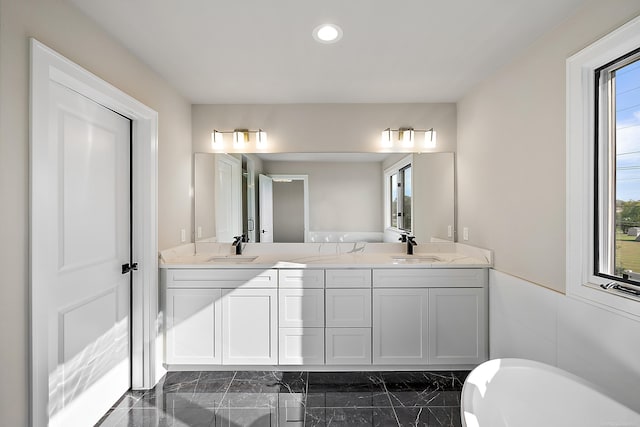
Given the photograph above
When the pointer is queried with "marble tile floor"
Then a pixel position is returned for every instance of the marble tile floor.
(293, 399)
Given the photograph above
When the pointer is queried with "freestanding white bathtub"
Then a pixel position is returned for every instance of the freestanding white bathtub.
(524, 393)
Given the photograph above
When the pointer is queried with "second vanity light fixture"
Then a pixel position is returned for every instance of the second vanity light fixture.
(241, 137)
(406, 137)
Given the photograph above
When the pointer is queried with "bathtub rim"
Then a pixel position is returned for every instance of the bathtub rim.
(466, 396)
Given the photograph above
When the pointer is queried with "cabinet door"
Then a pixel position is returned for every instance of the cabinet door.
(249, 327)
(194, 330)
(457, 326)
(400, 326)
(301, 308)
(301, 346)
(348, 308)
(348, 346)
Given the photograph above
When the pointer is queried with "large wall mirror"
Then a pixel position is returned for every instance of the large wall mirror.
(324, 197)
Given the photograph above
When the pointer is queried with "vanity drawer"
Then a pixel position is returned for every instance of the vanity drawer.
(222, 278)
(301, 307)
(348, 278)
(348, 346)
(301, 278)
(430, 278)
(348, 308)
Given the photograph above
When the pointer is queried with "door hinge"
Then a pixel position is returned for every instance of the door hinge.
(127, 268)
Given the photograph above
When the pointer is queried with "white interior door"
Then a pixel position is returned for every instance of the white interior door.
(228, 196)
(88, 239)
(266, 209)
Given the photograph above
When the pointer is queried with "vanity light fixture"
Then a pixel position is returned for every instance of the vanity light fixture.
(406, 136)
(217, 140)
(261, 139)
(241, 137)
(430, 138)
(387, 142)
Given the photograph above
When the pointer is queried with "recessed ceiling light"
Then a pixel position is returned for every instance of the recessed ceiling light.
(327, 33)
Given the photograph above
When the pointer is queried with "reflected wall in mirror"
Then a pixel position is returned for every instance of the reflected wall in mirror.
(320, 197)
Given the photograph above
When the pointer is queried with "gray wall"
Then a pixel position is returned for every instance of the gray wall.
(343, 196)
(511, 150)
(288, 212)
(324, 127)
(63, 28)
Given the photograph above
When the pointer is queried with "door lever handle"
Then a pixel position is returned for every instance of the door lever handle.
(127, 268)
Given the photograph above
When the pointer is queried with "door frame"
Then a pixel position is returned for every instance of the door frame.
(146, 363)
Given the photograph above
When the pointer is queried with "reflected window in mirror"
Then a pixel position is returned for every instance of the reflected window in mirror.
(398, 195)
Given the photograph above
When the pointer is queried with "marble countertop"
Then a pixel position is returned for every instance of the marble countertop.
(327, 255)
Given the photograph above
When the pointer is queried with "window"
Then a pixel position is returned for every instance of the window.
(398, 195)
(603, 171)
(617, 198)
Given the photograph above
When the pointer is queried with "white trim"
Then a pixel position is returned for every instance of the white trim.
(305, 183)
(47, 65)
(580, 281)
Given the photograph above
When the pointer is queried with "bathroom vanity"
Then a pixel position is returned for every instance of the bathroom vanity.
(328, 307)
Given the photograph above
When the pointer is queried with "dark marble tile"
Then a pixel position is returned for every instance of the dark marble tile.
(207, 400)
(164, 400)
(429, 417)
(184, 382)
(246, 417)
(191, 416)
(293, 382)
(424, 398)
(214, 382)
(445, 381)
(340, 380)
(249, 400)
(146, 418)
(349, 399)
(262, 377)
(352, 417)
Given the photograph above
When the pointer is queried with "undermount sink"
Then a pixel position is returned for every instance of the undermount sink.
(232, 258)
(415, 259)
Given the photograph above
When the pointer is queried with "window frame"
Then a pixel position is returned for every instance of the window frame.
(581, 174)
(396, 169)
(605, 168)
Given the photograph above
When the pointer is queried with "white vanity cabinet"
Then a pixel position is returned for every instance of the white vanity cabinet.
(416, 317)
(429, 316)
(301, 316)
(348, 317)
(194, 326)
(457, 326)
(220, 316)
(249, 327)
(400, 326)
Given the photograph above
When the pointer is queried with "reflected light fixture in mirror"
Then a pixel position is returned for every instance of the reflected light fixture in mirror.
(406, 136)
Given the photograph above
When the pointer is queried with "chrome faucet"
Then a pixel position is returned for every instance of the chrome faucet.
(237, 242)
(410, 241)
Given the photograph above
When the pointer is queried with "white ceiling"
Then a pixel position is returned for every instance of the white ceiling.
(262, 51)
